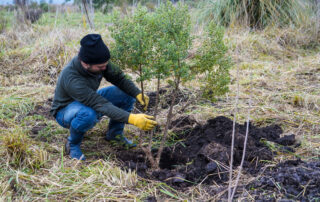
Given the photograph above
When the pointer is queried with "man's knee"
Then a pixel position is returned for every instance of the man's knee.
(85, 119)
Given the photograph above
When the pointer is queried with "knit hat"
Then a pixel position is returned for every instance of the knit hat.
(93, 50)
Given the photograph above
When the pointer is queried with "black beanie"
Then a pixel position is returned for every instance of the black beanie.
(93, 50)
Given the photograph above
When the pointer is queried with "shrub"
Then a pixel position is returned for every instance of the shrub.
(213, 62)
(44, 6)
(156, 45)
(33, 15)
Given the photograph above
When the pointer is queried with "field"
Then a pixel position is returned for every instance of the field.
(275, 75)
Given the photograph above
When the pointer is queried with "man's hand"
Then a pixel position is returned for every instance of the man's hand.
(146, 99)
(142, 121)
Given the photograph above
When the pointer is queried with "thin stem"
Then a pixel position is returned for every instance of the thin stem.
(233, 133)
(157, 98)
(154, 114)
(146, 150)
(141, 83)
(169, 117)
(244, 151)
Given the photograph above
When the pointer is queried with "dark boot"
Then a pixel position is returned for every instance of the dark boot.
(72, 146)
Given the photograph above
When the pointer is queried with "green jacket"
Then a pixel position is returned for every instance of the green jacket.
(76, 83)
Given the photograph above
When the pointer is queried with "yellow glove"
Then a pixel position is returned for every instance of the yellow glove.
(142, 121)
(146, 99)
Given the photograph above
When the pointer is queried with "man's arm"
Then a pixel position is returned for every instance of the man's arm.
(114, 75)
(79, 91)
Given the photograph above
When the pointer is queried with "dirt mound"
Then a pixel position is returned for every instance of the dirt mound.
(293, 179)
(204, 154)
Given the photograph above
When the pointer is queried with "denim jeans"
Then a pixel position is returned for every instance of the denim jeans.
(82, 118)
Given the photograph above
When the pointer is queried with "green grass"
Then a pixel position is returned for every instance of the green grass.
(13, 106)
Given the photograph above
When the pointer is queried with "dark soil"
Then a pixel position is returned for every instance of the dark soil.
(293, 179)
(203, 153)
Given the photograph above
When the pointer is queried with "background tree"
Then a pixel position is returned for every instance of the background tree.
(103, 5)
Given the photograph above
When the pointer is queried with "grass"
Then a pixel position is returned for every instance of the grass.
(284, 70)
(258, 13)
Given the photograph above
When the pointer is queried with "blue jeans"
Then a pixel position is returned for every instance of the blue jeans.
(82, 118)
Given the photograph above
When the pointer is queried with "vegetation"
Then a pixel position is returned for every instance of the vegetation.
(156, 45)
(258, 13)
(278, 70)
(3, 23)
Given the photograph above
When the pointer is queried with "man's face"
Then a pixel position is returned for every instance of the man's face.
(96, 69)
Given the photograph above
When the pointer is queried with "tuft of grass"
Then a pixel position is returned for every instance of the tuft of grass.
(21, 151)
(16, 146)
(257, 13)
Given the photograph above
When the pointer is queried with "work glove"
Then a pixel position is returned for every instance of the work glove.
(146, 99)
(142, 121)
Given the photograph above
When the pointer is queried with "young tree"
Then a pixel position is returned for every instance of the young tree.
(134, 50)
(174, 27)
(156, 45)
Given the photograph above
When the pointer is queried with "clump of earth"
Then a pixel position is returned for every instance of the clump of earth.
(293, 179)
(202, 153)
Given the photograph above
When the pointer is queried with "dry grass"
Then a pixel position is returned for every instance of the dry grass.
(284, 89)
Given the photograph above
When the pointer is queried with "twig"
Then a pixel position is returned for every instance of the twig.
(244, 151)
(233, 132)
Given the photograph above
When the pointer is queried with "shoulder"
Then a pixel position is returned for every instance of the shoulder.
(70, 68)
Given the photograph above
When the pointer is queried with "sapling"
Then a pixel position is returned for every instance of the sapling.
(174, 25)
(156, 45)
(134, 49)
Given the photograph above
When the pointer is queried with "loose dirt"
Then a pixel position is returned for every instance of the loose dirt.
(292, 179)
(202, 152)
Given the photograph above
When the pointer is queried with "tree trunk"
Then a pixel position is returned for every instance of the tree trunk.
(85, 6)
(169, 117)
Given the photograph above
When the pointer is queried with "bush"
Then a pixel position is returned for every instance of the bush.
(213, 62)
(33, 14)
(44, 6)
(156, 46)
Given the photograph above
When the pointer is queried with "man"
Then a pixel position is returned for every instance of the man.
(78, 104)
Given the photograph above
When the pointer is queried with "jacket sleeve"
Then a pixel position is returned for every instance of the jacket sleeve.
(114, 75)
(78, 90)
